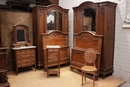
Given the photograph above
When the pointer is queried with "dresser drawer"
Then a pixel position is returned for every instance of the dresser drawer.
(24, 58)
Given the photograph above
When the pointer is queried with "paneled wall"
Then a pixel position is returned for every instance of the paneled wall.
(122, 36)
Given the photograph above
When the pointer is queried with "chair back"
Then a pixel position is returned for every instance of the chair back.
(90, 56)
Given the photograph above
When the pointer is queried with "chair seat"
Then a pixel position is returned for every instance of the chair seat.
(89, 68)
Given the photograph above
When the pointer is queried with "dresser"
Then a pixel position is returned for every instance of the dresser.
(24, 57)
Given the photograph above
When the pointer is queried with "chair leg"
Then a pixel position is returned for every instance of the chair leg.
(85, 76)
(82, 77)
(93, 80)
(47, 74)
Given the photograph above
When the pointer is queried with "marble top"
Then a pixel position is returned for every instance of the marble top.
(24, 47)
(52, 46)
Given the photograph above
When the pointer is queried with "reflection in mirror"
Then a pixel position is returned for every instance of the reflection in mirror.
(21, 35)
(54, 20)
(89, 19)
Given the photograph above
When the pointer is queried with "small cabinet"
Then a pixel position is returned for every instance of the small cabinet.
(53, 54)
(24, 57)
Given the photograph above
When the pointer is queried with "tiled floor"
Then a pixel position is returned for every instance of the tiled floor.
(67, 78)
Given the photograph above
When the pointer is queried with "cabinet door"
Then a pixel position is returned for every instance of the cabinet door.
(107, 29)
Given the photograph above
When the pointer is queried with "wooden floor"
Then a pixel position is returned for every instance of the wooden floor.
(38, 78)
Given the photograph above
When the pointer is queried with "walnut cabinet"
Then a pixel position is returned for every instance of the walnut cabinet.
(24, 57)
(99, 18)
(47, 20)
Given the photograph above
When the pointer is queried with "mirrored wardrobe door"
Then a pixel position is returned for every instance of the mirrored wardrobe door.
(54, 20)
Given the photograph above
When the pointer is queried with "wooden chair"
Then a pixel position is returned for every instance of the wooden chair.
(90, 56)
(53, 54)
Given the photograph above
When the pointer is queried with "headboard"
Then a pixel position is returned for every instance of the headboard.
(82, 41)
(54, 38)
(87, 39)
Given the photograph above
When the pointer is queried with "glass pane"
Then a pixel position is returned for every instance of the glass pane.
(54, 20)
(89, 15)
(21, 35)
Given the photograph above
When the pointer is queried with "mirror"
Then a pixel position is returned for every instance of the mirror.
(21, 34)
(54, 20)
(89, 15)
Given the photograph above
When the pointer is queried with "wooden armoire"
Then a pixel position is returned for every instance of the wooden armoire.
(50, 22)
(100, 18)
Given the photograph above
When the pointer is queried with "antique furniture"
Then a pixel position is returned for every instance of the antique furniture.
(24, 57)
(56, 38)
(83, 41)
(53, 54)
(3, 77)
(23, 51)
(98, 17)
(47, 19)
(20, 36)
(90, 56)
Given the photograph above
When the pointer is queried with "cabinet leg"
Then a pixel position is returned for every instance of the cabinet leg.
(17, 71)
(45, 69)
(71, 69)
(104, 76)
(35, 67)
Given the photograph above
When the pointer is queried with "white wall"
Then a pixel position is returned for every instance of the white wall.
(122, 36)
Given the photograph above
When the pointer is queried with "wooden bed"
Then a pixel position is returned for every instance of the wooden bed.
(82, 41)
(56, 38)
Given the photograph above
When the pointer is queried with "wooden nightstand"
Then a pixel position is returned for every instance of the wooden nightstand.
(53, 54)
